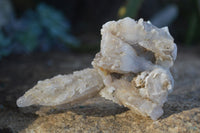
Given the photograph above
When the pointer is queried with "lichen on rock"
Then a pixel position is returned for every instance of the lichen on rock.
(132, 69)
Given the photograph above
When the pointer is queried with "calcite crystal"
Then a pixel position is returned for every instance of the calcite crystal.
(63, 89)
(132, 69)
(134, 62)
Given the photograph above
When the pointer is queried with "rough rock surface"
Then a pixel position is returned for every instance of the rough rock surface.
(181, 111)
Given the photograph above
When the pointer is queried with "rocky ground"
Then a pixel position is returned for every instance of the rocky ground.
(19, 73)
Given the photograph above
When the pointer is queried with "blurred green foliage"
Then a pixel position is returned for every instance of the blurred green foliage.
(4, 45)
(56, 25)
(193, 18)
(28, 37)
(130, 9)
(43, 29)
(46, 28)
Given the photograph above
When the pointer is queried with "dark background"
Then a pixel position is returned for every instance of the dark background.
(22, 30)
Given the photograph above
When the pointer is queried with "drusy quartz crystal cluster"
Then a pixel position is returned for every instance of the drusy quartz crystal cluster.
(132, 69)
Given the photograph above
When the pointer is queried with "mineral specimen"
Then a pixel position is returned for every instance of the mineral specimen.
(63, 89)
(132, 69)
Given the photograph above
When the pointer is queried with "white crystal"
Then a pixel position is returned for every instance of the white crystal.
(131, 69)
(134, 62)
(63, 89)
(130, 46)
